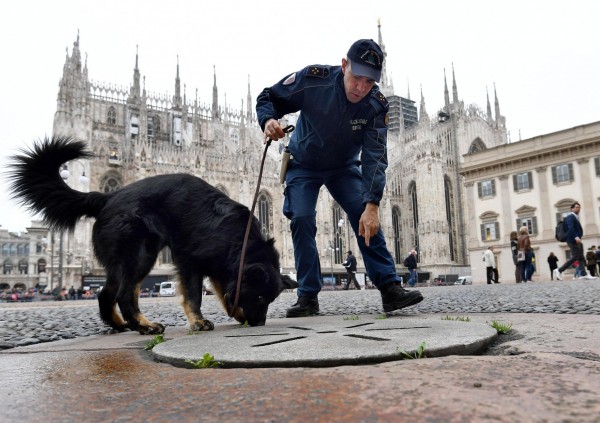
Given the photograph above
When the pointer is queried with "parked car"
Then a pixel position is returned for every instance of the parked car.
(464, 280)
(167, 289)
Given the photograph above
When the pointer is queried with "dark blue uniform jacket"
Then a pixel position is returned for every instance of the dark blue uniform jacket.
(331, 132)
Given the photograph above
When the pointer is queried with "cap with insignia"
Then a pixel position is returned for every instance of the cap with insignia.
(366, 59)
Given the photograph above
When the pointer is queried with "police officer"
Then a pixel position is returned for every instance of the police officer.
(340, 142)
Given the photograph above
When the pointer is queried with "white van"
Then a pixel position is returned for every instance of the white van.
(464, 280)
(167, 289)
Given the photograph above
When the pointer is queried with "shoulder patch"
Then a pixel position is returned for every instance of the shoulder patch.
(318, 71)
(290, 79)
(381, 98)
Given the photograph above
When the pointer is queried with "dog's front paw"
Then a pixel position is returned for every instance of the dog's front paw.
(201, 325)
(151, 329)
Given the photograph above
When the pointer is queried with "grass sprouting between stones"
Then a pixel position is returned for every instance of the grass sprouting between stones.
(419, 353)
(158, 339)
(502, 328)
(206, 362)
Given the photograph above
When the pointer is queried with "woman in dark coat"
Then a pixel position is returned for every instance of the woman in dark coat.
(514, 248)
(553, 263)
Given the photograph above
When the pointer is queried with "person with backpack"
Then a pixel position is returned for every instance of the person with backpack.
(574, 236)
(411, 264)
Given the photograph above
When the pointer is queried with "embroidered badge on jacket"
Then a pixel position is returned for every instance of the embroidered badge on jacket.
(290, 79)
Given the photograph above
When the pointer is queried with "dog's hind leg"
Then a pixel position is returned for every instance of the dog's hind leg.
(108, 305)
(191, 290)
(128, 300)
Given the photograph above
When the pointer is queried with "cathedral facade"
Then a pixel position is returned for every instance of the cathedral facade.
(136, 133)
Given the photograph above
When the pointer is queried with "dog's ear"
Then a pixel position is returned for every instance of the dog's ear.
(288, 283)
(255, 272)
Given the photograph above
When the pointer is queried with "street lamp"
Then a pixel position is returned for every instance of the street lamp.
(330, 248)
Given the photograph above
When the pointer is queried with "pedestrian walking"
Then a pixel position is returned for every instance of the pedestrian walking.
(574, 236)
(350, 265)
(514, 249)
(525, 247)
(553, 264)
(491, 271)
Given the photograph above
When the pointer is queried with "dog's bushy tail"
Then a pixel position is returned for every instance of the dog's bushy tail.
(35, 182)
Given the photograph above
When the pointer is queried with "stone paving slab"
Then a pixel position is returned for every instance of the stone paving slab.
(327, 341)
(548, 372)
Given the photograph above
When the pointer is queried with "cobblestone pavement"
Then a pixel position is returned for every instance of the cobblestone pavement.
(31, 323)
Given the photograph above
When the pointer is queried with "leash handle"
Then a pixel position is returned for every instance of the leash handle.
(286, 130)
(231, 310)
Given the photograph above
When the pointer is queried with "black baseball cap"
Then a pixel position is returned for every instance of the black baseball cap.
(366, 59)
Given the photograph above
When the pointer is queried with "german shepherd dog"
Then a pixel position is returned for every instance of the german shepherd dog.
(202, 226)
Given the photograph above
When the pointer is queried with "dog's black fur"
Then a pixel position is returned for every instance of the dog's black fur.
(202, 226)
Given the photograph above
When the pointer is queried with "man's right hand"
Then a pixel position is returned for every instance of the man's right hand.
(273, 131)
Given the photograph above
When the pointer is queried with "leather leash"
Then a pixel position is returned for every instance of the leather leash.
(231, 309)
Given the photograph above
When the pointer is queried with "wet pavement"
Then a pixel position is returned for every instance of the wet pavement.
(547, 369)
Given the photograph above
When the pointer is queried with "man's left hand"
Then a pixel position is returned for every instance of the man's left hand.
(368, 225)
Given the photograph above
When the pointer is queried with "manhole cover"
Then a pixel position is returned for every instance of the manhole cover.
(327, 341)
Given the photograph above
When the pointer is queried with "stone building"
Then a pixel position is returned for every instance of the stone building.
(532, 183)
(25, 257)
(136, 133)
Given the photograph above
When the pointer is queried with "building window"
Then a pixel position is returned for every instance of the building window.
(111, 184)
(530, 222)
(8, 266)
(264, 215)
(597, 165)
(134, 126)
(166, 256)
(41, 267)
(112, 116)
(562, 173)
(337, 233)
(486, 188)
(523, 181)
(397, 235)
(490, 231)
(23, 267)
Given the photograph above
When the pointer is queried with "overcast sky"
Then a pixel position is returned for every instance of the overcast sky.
(543, 57)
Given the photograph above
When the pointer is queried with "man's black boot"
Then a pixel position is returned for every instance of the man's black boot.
(395, 297)
(305, 306)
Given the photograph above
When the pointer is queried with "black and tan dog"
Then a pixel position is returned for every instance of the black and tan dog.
(202, 226)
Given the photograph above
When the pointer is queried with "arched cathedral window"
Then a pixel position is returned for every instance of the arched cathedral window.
(264, 215)
(396, 229)
(338, 238)
(449, 198)
(412, 191)
(111, 183)
(112, 116)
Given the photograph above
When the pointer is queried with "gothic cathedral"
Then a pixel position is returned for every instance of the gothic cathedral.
(135, 133)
